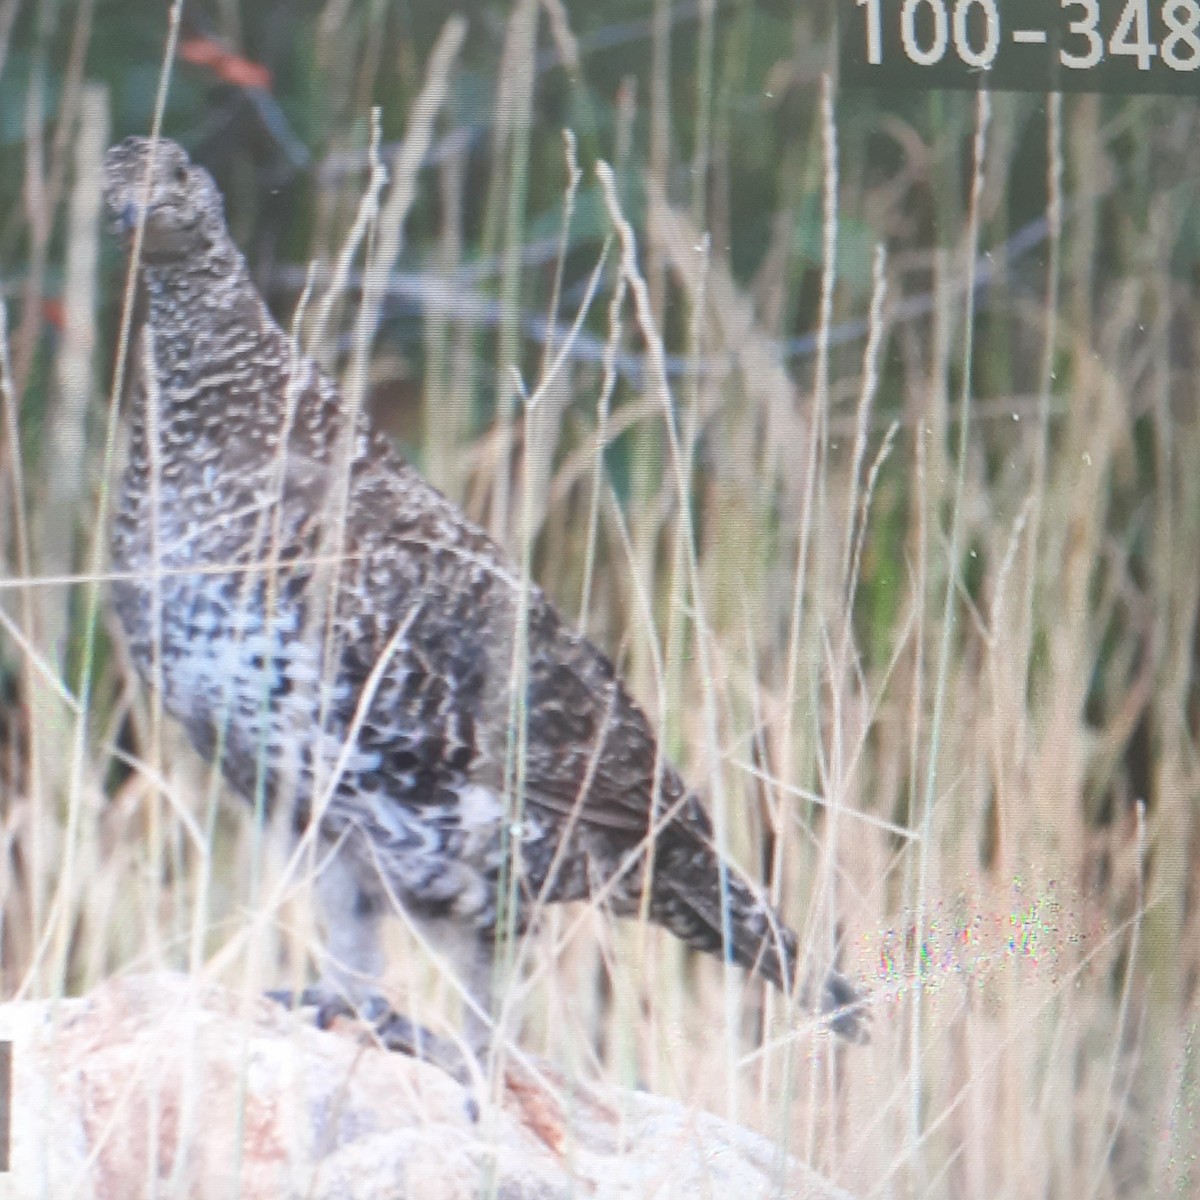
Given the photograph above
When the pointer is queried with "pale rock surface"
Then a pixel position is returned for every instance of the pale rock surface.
(157, 1085)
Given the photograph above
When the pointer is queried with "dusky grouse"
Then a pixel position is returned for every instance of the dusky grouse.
(375, 697)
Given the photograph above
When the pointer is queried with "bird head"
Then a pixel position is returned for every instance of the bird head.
(183, 210)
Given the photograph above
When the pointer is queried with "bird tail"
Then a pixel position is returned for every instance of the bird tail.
(716, 911)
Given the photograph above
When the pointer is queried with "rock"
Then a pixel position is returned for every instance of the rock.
(161, 1085)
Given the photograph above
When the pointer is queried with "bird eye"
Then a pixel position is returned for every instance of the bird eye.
(181, 174)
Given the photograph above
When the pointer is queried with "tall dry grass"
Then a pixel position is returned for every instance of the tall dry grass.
(916, 613)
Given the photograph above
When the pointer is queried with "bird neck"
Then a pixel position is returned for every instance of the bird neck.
(216, 266)
(213, 360)
(203, 311)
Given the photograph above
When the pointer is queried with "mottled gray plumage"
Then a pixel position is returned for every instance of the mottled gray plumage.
(375, 696)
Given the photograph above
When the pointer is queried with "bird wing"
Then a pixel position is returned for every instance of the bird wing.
(591, 748)
(590, 753)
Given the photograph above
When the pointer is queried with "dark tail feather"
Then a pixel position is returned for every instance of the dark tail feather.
(688, 900)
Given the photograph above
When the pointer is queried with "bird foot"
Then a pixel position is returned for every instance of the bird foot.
(538, 1095)
(390, 1029)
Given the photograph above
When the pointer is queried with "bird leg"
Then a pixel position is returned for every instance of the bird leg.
(354, 962)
